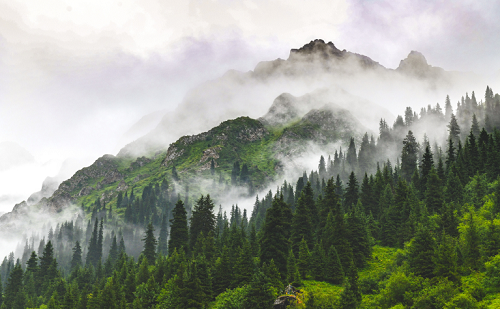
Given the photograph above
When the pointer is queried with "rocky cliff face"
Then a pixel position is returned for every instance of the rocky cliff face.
(316, 56)
(229, 135)
(102, 172)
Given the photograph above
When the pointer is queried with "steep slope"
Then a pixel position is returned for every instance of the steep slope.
(261, 145)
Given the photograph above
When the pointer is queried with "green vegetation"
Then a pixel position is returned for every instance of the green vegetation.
(423, 234)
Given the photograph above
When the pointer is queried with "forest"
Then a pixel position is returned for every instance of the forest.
(366, 229)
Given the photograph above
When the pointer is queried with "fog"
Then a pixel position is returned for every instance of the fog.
(78, 80)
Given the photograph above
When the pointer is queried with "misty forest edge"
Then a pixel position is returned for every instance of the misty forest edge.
(365, 230)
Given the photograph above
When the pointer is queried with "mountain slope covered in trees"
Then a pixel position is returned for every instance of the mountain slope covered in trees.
(363, 230)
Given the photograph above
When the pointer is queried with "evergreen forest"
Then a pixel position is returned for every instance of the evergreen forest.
(391, 221)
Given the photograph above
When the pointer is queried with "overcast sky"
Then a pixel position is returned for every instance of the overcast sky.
(75, 75)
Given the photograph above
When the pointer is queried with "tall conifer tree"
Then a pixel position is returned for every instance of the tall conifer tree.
(179, 234)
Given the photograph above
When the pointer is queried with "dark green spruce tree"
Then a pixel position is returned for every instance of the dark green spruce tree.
(202, 219)
(409, 156)
(352, 192)
(14, 293)
(162, 238)
(350, 296)
(150, 242)
(76, 260)
(421, 254)
(179, 234)
(333, 272)
(302, 227)
(274, 243)
(304, 259)
(434, 193)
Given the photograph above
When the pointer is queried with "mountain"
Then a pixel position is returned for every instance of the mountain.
(290, 126)
(319, 108)
(316, 65)
(416, 65)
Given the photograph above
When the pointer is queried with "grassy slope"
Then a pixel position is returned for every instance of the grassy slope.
(326, 294)
(258, 155)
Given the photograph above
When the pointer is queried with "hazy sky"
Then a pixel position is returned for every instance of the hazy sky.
(75, 75)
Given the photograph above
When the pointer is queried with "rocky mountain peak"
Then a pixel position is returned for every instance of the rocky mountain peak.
(415, 64)
(414, 59)
(317, 47)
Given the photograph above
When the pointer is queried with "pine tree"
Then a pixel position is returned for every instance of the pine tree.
(491, 241)
(358, 237)
(244, 174)
(243, 268)
(292, 272)
(388, 219)
(202, 219)
(350, 297)
(192, 293)
(275, 233)
(333, 272)
(113, 250)
(329, 203)
(337, 234)
(222, 278)
(433, 194)
(302, 227)
(14, 294)
(92, 250)
(46, 261)
(470, 251)
(454, 130)
(441, 171)
(351, 157)
(352, 192)
(259, 294)
(364, 156)
(149, 244)
(99, 245)
(421, 254)
(318, 262)
(304, 259)
(449, 220)
(450, 155)
(162, 238)
(409, 156)
(235, 173)
(366, 196)
(447, 108)
(178, 228)
(212, 166)
(76, 260)
(322, 167)
(454, 189)
(32, 263)
(475, 126)
(271, 272)
(427, 164)
(445, 258)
